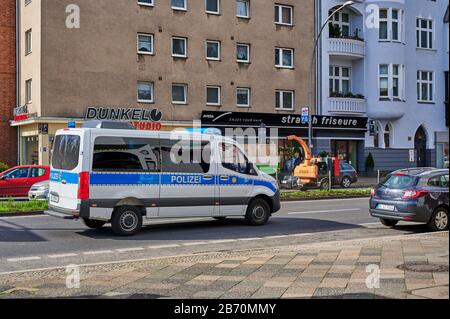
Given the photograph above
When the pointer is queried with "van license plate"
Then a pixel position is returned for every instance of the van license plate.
(386, 207)
(54, 198)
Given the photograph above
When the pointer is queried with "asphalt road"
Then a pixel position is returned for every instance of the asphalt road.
(28, 243)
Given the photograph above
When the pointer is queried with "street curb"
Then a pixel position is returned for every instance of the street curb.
(22, 214)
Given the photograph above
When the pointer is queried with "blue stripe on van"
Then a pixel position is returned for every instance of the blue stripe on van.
(59, 176)
(154, 179)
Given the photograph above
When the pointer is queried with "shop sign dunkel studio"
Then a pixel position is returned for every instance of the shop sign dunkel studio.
(212, 118)
(141, 119)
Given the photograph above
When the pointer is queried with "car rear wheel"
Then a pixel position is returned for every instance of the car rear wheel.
(94, 224)
(388, 222)
(325, 184)
(258, 212)
(346, 182)
(126, 220)
(439, 220)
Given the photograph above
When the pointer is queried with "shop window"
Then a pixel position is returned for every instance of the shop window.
(376, 137)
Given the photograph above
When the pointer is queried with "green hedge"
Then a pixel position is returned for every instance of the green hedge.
(323, 193)
(25, 206)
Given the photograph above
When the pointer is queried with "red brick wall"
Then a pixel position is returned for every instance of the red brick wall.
(8, 135)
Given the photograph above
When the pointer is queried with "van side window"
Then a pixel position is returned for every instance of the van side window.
(186, 156)
(123, 154)
(234, 160)
(37, 172)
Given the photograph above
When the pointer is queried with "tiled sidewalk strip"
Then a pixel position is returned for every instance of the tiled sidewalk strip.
(325, 270)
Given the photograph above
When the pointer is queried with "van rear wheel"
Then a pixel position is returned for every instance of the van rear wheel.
(258, 212)
(126, 220)
(94, 224)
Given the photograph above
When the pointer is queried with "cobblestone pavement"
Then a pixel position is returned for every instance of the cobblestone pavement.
(410, 266)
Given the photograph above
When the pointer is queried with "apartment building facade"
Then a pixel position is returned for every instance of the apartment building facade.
(8, 135)
(159, 64)
(388, 61)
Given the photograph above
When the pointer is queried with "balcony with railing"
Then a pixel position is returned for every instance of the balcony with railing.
(353, 48)
(347, 105)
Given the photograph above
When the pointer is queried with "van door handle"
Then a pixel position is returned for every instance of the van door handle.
(64, 182)
(208, 177)
(224, 177)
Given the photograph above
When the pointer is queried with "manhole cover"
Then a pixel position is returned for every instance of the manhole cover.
(423, 267)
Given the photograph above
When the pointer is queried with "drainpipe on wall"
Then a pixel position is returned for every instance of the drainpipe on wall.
(18, 72)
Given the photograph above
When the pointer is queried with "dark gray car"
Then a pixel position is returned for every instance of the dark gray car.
(417, 195)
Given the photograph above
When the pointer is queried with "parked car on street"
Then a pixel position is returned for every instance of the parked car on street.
(288, 181)
(39, 191)
(17, 181)
(416, 195)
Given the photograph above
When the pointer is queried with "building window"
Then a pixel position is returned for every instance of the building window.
(179, 47)
(391, 81)
(212, 6)
(212, 50)
(387, 136)
(284, 100)
(283, 14)
(179, 4)
(243, 97)
(145, 92)
(376, 136)
(28, 42)
(28, 91)
(179, 93)
(145, 43)
(342, 20)
(339, 80)
(213, 95)
(424, 29)
(284, 58)
(146, 3)
(243, 53)
(391, 25)
(425, 86)
(243, 8)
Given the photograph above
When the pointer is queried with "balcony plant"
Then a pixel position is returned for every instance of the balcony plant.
(336, 32)
(348, 95)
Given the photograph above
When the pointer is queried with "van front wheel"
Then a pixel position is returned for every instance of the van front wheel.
(126, 220)
(94, 224)
(258, 212)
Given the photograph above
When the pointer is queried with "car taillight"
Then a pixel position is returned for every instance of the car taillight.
(83, 186)
(372, 191)
(414, 193)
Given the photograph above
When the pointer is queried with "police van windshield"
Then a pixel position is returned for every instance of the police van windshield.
(66, 150)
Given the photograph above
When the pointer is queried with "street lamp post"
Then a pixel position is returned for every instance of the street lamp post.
(310, 98)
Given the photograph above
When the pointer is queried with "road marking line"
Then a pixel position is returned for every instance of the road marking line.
(63, 255)
(98, 252)
(325, 211)
(195, 243)
(164, 246)
(19, 259)
(125, 250)
(249, 239)
(221, 241)
(277, 236)
(324, 200)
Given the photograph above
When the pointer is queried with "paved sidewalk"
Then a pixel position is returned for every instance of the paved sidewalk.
(411, 266)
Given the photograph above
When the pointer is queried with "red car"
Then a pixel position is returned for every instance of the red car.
(17, 181)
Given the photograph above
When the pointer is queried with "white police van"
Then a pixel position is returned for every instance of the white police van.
(103, 174)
